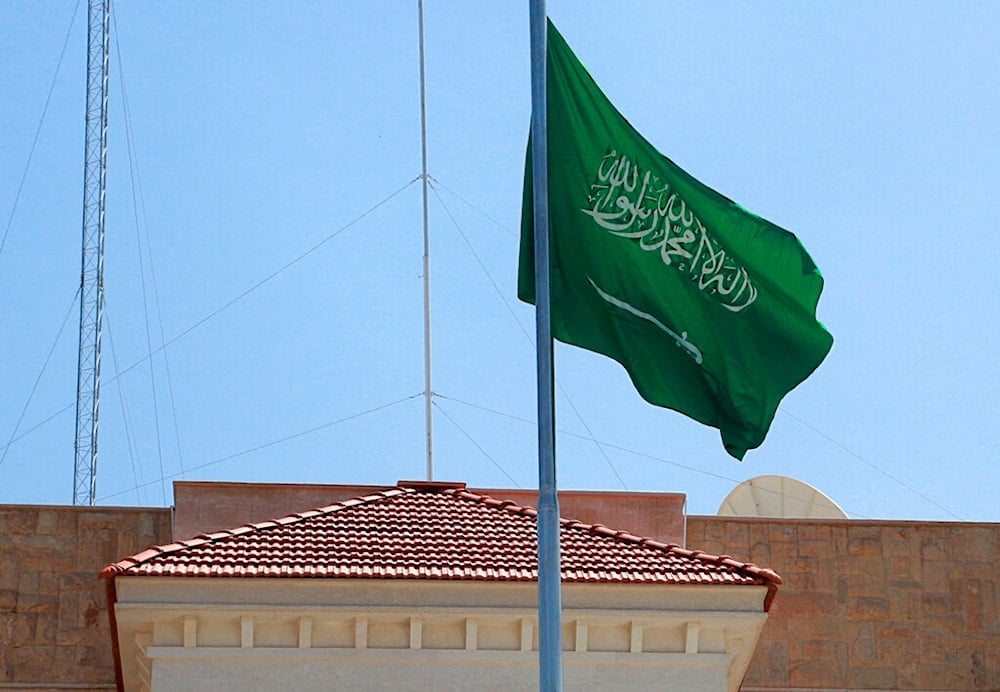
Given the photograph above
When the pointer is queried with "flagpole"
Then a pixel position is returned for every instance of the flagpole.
(549, 572)
(428, 392)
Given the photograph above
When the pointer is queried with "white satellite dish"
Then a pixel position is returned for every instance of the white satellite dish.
(779, 496)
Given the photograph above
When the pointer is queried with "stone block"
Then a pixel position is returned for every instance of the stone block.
(771, 668)
(934, 573)
(736, 536)
(840, 539)
(804, 605)
(935, 603)
(863, 644)
(18, 521)
(897, 644)
(757, 532)
(934, 648)
(783, 535)
(47, 522)
(69, 612)
(110, 520)
(65, 666)
(32, 662)
(875, 678)
(818, 532)
(820, 581)
(847, 586)
(44, 603)
(95, 549)
(902, 568)
(991, 661)
(967, 601)
(27, 583)
(46, 626)
(816, 548)
(78, 581)
(868, 608)
(8, 600)
(20, 629)
(801, 565)
(991, 607)
(904, 601)
(87, 655)
(90, 613)
(864, 540)
(861, 546)
(43, 554)
(974, 545)
(67, 523)
(815, 672)
(899, 541)
(872, 570)
(827, 630)
(48, 583)
(708, 533)
(68, 636)
(908, 675)
(937, 676)
(11, 572)
(760, 553)
(832, 655)
(935, 545)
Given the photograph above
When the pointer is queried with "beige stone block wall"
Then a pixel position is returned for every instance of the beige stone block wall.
(870, 604)
(54, 627)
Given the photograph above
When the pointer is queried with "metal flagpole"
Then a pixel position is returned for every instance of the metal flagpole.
(549, 572)
(428, 392)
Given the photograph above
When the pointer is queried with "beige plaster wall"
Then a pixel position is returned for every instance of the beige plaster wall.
(53, 618)
(870, 604)
(444, 673)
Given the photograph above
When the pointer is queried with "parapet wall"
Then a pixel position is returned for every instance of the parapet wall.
(54, 631)
(870, 604)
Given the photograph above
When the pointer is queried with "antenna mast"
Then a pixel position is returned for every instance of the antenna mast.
(88, 382)
(428, 392)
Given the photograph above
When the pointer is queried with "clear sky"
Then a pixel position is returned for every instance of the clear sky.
(261, 129)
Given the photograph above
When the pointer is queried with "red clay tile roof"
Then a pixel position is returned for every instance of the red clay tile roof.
(432, 531)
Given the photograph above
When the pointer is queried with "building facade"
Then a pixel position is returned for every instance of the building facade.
(865, 605)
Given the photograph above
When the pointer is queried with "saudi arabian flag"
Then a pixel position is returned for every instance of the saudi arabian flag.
(710, 309)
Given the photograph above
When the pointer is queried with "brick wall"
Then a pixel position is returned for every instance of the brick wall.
(871, 604)
(53, 616)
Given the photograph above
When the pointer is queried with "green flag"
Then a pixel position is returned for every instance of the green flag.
(710, 308)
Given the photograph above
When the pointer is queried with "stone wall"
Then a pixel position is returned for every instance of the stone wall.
(870, 604)
(54, 630)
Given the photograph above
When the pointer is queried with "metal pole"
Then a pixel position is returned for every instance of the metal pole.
(428, 391)
(549, 572)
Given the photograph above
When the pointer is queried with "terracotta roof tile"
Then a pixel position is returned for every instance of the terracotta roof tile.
(432, 531)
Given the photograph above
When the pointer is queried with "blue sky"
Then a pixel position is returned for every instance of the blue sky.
(260, 130)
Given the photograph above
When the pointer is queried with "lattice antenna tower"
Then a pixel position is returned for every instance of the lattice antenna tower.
(88, 382)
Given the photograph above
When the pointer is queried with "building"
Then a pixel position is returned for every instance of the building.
(427, 586)
(864, 604)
